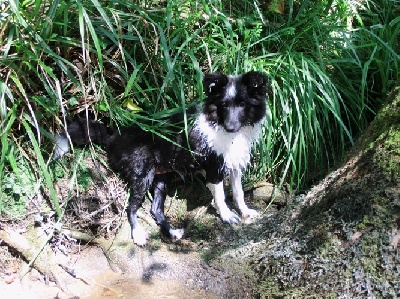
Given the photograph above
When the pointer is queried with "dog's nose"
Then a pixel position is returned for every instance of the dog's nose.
(231, 127)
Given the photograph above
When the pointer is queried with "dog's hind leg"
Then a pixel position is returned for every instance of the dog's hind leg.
(238, 194)
(138, 234)
(157, 207)
(135, 163)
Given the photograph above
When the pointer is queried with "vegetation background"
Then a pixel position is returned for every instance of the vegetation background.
(331, 62)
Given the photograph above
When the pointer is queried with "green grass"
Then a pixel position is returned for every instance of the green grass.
(330, 65)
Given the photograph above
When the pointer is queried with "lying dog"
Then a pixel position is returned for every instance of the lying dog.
(219, 141)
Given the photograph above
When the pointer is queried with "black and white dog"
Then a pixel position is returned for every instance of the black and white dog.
(219, 141)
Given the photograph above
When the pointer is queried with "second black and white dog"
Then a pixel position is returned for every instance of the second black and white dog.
(220, 140)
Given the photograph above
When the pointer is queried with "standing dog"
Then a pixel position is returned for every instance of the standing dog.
(219, 142)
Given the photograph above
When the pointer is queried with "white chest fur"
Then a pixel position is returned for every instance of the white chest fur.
(235, 147)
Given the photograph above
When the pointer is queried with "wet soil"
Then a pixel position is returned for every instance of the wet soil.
(96, 279)
(114, 267)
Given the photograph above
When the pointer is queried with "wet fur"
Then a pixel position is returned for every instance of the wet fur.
(220, 142)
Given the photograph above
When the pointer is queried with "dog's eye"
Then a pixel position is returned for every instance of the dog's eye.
(242, 104)
(211, 86)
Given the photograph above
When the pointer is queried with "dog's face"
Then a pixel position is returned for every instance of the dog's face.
(235, 101)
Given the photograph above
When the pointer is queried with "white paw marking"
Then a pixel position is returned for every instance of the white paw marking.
(176, 233)
(249, 213)
(139, 236)
(229, 216)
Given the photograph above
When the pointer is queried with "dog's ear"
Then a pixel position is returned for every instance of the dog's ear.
(214, 83)
(256, 83)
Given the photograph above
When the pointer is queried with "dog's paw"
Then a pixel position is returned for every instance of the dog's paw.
(139, 236)
(176, 233)
(230, 217)
(249, 213)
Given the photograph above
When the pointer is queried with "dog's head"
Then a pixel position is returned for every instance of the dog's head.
(235, 101)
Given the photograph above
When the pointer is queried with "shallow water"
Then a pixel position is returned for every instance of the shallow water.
(133, 288)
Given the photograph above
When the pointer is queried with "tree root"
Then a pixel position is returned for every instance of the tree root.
(101, 242)
(42, 259)
(53, 267)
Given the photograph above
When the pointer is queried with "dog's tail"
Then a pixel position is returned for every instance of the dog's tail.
(80, 132)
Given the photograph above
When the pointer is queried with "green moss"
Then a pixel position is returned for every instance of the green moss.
(57, 170)
(17, 187)
(202, 230)
(392, 142)
(388, 154)
(208, 254)
(271, 288)
(84, 178)
(381, 214)
(364, 223)
(385, 127)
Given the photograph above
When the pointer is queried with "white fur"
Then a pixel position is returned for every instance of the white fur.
(238, 195)
(231, 89)
(176, 233)
(62, 146)
(139, 235)
(217, 190)
(235, 147)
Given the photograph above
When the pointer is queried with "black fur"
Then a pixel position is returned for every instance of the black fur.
(144, 160)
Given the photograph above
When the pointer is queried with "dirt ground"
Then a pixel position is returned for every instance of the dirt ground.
(160, 275)
(116, 268)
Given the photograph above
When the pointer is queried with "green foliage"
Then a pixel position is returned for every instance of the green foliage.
(16, 186)
(330, 65)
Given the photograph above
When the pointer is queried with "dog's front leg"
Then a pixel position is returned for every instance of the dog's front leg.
(214, 177)
(238, 194)
(224, 212)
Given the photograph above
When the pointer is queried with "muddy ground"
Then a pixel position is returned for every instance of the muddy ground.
(340, 239)
(113, 267)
